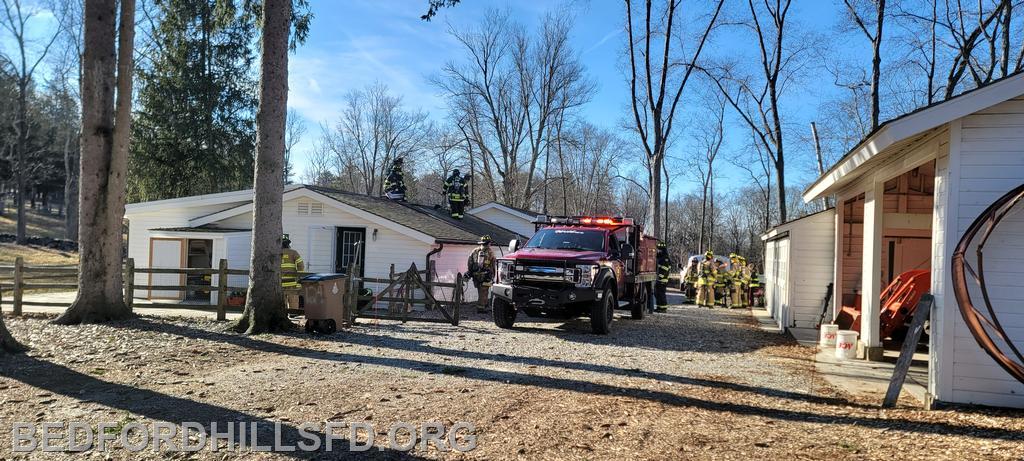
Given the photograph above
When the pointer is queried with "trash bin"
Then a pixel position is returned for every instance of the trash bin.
(846, 344)
(324, 302)
(828, 335)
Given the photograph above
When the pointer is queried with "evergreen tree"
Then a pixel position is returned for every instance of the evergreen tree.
(195, 130)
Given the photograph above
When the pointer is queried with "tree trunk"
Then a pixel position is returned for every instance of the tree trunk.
(104, 150)
(264, 306)
(876, 65)
(7, 342)
(654, 194)
(19, 159)
(70, 191)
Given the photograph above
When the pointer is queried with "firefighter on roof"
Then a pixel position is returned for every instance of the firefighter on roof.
(291, 265)
(664, 268)
(456, 193)
(706, 281)
(394, 184)
(481, 270)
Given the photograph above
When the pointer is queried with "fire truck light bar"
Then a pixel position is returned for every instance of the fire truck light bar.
(586, 220)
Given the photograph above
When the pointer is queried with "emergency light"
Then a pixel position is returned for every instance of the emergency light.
(586, 220)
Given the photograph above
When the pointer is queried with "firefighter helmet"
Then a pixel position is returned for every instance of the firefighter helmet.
(709, 254)
(485, 240)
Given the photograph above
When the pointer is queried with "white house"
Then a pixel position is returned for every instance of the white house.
(798, 266)
(324, 226)
(906, 194)
(517, 220)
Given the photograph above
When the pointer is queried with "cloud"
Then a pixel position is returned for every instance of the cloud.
(603, 40)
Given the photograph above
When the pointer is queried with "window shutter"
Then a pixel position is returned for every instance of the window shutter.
(303, 208)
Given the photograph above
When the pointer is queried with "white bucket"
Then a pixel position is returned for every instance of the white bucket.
(828, 335)
(846, 344)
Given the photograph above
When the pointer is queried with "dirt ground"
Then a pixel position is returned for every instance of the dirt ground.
(689, 384)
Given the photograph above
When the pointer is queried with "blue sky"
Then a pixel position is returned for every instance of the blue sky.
(357, 42)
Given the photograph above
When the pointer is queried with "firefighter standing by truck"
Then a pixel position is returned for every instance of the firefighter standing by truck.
(661, 284)
(291, 265)
(736, 297)
(706, 281)
(481, 270)
(722, 280)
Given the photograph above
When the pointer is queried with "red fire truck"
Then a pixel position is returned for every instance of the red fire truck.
(577, 266)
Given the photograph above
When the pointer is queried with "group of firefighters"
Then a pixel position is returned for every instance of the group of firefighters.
(721, 284)
(455, 189)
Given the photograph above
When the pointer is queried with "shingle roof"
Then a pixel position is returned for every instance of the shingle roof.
(430, 220)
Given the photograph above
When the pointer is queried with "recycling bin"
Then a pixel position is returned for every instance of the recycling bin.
(324, 302)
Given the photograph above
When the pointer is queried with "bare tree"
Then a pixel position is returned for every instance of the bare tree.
(294, 131)
(374, 129)
(106, 127)
(509, 95)
(15, 22)
(869, 17)
(657, 79)
(264, 304)
(756, 97)
(708, 139)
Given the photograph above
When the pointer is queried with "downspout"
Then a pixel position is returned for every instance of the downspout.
(440, 246)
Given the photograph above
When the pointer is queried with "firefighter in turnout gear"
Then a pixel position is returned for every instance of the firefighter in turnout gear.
(481, 270)
(706, 280)
(742, 286)
(455, 191)
(394, 184)
(735, 285)
(721, 282)
(291, 265)
(661, 285)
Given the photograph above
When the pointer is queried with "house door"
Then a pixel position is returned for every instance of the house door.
(351, 248)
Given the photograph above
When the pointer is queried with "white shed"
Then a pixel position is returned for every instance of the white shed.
(906, 194)
(798, 264)
(517, 220)
(324, 226)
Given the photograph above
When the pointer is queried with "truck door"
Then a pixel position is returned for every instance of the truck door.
(615, 239)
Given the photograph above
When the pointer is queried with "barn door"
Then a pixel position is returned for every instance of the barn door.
(166, 253)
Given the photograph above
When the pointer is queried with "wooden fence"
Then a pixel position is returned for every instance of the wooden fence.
(20, 278)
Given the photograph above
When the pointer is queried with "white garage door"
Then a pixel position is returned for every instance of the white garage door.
(166, 253)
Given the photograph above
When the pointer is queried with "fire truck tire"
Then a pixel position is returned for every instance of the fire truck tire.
(602, 312)
(504, 313)
(639, 307)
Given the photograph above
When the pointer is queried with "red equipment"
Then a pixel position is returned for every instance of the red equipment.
(898, 300)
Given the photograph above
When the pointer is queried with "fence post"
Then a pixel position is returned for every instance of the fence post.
(222, 289)
(19, 267)
(129, 283)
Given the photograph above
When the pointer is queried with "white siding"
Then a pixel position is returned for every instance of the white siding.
(799, 268)
(991, 160)
(316, 244)
(509, 221)
(812, 241)
(139, 225)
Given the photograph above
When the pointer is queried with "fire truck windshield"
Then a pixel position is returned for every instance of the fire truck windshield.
(568, 239)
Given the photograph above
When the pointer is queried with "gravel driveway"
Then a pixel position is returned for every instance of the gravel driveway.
(689, 384)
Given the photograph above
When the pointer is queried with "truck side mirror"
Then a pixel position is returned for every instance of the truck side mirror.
(626, 250)
(513, 245)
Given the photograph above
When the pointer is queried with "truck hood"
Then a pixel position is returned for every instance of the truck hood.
(557, 255)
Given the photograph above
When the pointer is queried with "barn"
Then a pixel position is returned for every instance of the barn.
(798, 267)
(325, 226)
(905, 197)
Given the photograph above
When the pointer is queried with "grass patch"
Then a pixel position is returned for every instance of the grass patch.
(35, 255)
(40, 223)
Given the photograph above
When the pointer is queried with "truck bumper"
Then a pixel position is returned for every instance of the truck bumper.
(542, 297)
